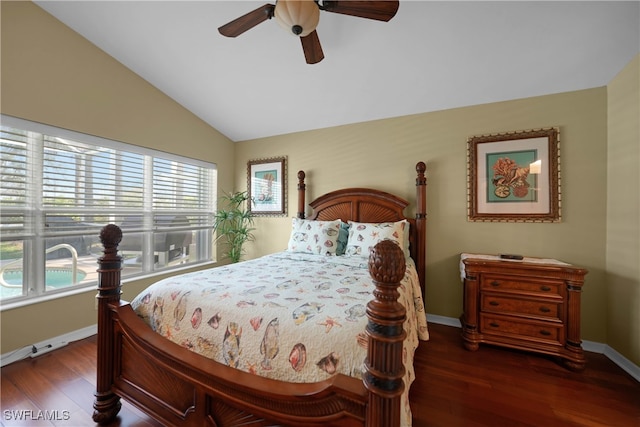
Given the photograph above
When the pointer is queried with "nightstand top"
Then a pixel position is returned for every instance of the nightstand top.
(486, 257)
(525, 259)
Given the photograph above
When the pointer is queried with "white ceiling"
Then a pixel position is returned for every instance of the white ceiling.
(430, 56)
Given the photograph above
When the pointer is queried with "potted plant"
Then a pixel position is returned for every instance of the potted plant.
(233, 223)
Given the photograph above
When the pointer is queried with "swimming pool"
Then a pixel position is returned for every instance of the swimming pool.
(55, 278)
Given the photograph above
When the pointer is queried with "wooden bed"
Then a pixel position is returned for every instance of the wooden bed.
(178, 387)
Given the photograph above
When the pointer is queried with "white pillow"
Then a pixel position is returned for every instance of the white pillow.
(364, 236)
(314, 237)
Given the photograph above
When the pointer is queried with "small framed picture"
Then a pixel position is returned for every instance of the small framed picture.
(267, 186)
(514, 176)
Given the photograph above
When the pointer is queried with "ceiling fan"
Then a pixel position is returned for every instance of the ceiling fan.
(301, 17)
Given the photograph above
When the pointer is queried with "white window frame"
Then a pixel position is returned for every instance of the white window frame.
(35, 210)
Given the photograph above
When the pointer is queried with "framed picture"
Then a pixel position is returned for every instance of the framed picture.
(267, 186)
(514, 177)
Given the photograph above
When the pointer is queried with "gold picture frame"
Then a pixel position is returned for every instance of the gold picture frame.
(267, 186)
(514, 176)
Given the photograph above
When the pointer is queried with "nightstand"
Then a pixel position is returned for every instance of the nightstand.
(531, 304)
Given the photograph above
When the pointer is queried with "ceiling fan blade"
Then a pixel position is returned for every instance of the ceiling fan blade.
(378, 10)
(311, 47)
(247, 21)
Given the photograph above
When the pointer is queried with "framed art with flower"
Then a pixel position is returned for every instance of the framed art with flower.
(267, 186)
(514, 176)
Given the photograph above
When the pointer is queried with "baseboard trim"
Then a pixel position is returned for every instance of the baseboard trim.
(594, 347)
(442, 320)
(62, 340)
(628, 366)
(46, 346)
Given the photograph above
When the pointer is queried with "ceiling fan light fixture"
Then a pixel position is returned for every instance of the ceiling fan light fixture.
(298, 17)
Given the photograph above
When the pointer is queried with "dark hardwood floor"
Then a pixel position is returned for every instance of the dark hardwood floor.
(491, 387)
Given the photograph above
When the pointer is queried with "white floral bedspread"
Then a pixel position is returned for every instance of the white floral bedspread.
(289, 316)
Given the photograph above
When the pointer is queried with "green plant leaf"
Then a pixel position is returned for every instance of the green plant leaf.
(232, 223)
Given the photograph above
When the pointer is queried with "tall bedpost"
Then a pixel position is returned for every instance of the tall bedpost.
(301, 190)
(107, 405)
(383, 367)
(421, 220)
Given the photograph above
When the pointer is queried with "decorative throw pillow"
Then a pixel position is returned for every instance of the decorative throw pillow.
(364, 236)
(343, 238)
(314, 237)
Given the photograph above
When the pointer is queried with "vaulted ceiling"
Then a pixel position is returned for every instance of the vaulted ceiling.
(431, 56)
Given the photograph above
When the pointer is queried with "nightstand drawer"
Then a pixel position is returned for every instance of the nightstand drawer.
(545, 309)
(520, 284)
(551, 332)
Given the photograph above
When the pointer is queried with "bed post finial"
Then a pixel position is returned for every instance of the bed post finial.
(421, 222)
(384, 368)
(421, 167)
(107, 405)
(110, 236)
(301, 190)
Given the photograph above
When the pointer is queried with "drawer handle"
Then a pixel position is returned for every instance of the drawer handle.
(545, 333)
(545, 288)
(494, 303)
(494, 325)
(495, 283)
(545, 309)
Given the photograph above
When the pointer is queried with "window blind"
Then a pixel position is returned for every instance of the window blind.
(61, 187)
(15, 189)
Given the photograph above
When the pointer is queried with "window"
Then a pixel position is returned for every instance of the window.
(59, 188)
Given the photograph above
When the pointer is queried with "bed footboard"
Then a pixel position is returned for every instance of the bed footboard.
(179, 387)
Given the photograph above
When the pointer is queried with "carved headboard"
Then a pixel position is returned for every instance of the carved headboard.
(371, 205)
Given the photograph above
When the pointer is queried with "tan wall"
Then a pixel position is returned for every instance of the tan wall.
(52, 75)
(383, 154)
(623, 212)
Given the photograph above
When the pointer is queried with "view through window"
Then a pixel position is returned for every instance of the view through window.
(59, 188)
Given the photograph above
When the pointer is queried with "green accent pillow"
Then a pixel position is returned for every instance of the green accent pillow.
(343, 238)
